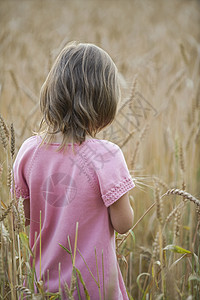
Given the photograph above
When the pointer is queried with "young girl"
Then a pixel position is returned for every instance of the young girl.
(73, 182)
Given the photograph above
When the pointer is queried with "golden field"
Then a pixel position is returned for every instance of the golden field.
(156, 47)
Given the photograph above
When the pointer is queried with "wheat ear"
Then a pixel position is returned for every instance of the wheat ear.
(67, 290)
(12, 141)
(9, 177)
(158, 200)
(198, 212)
(177, 224)
(4, 133)
(4, 215)
(156, 247)
(21, 211)
(183, 194)
(24, 290)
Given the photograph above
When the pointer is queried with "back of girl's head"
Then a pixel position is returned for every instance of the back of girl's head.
(80, 94)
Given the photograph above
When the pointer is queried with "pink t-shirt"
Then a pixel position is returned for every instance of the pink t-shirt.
(75, 185)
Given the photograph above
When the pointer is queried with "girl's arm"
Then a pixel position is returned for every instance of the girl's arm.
(121, 214)
(26, 204)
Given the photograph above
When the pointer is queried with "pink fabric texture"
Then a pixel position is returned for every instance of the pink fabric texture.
(69, 186)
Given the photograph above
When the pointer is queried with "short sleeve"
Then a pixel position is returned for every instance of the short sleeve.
(113, 174)
(20, 170)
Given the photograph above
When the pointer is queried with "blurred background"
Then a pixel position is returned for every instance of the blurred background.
(156, 47)
(155, 40)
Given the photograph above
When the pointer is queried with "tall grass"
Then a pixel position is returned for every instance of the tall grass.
(156, 46)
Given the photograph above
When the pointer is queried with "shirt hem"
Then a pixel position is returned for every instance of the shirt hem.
(21, 192)
(118, 191)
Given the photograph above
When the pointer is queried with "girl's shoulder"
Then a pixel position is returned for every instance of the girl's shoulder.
(102, 146)
(31, 141)
(25, 154)
(99, 152)
(29, 145)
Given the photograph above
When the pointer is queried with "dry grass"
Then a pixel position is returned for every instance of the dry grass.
(156, 46)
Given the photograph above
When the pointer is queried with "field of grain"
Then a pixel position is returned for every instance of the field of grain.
(156, 47)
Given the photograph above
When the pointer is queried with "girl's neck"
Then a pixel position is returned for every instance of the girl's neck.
(58, 138)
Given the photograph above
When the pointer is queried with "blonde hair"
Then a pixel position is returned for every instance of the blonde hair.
(80, 94)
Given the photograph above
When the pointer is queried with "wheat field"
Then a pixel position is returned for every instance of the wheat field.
(156, 47)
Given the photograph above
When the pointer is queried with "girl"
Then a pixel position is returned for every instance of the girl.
(75, 185)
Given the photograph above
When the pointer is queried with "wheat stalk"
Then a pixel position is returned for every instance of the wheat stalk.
(132, 95)
(133, 90)
(141, 137)
(190, 136)
(184, 54)
(14, 79)
(176, 82)
(127, 139)
(1, 269)
(1, 172)
(160, 182)
(197, 134)
(182, 163)
(183, 194)
(173, 212)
